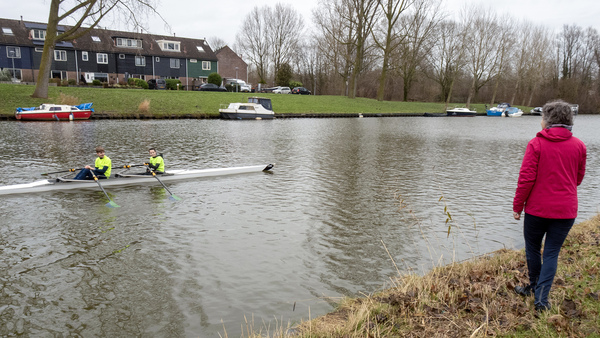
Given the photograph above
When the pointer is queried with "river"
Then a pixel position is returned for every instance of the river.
(252, 249)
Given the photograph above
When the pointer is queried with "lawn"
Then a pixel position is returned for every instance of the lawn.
(126, 102)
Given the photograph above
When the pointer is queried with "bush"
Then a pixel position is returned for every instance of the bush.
(97, 83)
(72, 82)
(294, 84)
(215, 78)
(137, 83)
(5, 75)
(172, 84)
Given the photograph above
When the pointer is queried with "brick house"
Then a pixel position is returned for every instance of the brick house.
(228, 61)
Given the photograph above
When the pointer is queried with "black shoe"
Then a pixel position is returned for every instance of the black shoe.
(524, 291)
(541, 308)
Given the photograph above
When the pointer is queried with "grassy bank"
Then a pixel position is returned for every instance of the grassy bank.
(474, 299)
(205, 104)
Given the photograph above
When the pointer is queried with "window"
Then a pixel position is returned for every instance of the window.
(84, 56)
(174, 63)
(38, 34)
(102, 58)
(13, 52)
(172, 46)
(140, 61)
(205, 65)
(95, 38)
(39, 49)
(7, 31)
(200, 48)
(60, 55)
(129, 43)
(122, 56)
(193, 61)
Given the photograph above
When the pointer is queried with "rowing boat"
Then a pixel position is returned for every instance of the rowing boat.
(125, 179)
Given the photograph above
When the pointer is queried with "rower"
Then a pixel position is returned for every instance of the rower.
(156, 162)
(101, 167)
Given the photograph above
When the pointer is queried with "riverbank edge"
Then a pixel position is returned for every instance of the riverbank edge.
(476, 298)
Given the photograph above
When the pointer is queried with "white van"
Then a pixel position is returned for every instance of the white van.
(243, 86)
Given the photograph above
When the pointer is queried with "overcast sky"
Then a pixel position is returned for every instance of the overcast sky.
(222, 18)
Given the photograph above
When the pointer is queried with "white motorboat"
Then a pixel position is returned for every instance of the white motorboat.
(461, 112)
(257, 108)
(125, 179)
(512, 112)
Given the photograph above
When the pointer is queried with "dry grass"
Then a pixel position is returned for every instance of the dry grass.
(67, 99)
(144, 107)
(476, 298)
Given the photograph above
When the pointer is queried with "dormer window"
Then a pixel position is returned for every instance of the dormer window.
(200, 48)
(129, 43)
(95, 38)
(7, 31)
(172, 46)
(38, 34)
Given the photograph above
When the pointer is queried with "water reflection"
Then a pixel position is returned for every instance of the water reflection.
(256, 244)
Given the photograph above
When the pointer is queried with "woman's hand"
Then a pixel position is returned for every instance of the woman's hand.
(516, 216)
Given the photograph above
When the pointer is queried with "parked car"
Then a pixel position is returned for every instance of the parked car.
(242, 85)
(211, 87)
(301, 91)
(282, 90)
(157, 84)
(267, 90)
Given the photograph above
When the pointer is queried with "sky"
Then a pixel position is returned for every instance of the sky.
(202, 19)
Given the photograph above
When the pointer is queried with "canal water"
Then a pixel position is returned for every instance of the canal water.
(347, 201)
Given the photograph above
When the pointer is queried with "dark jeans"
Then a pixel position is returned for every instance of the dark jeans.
(85, 174)
(541, 275)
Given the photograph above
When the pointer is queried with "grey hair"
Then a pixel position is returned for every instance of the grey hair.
(557, 112)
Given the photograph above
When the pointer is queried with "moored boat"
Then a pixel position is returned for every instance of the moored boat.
(257, 108)
(498, 110)
(512, 112)
(56, 184)
(55, 112)
(461, 112)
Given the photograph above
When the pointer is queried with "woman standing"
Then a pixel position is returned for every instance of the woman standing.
(552, 168)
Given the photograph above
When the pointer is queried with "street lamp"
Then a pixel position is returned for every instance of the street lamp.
(236, 80)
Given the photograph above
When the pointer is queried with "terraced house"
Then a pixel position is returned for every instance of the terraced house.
(106, 55)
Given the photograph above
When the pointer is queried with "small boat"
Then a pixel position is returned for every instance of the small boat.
(460, 112)
(125, 179)
(55, 112)
(536, 111)
(498, 110)
(512, 112)
(257, 108)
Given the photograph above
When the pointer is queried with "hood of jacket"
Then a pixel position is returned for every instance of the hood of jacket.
(556, 134)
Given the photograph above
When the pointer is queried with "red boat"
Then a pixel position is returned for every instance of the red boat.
(55, 112)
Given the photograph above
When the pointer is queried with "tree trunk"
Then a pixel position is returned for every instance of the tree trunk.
(41, 86)
(471, 93)
(382, 78)
(495, 91)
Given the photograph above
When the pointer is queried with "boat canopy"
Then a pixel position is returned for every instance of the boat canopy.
(263, 101)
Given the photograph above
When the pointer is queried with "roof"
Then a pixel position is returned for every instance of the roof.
(188, 46)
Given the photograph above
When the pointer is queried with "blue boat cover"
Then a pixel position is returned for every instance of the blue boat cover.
(85, 106)
(25, 109)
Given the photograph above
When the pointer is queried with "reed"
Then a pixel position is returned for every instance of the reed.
(67, 99)
(144, 107)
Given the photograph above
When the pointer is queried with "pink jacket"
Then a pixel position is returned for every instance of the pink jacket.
(552, 168)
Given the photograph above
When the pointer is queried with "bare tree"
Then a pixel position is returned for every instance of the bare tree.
(253, 41)
(504, 47)
(82, 12)
(419, 25)
(540, 60)
(216, 43)
(365, 12)
(387, 36)
(482, 59)
(285, 29)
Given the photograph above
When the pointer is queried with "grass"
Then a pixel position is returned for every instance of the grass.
(474, 299)
(127, 102)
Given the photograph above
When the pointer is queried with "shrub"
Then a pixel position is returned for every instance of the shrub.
(144, 107)
(172, 84)
(131, 81)
(138, 83)
(294, 84)
(215, 78)
(72, 82)
(5, 75)
(54, 80)
(97, 83)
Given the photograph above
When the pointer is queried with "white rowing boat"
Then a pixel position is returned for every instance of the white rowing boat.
(126, 179)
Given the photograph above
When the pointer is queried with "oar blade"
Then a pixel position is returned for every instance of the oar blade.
(175, 198)
(112, 204)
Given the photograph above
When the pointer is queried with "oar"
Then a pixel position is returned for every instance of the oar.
(62, 171)
(172, 197)
(110, 203)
